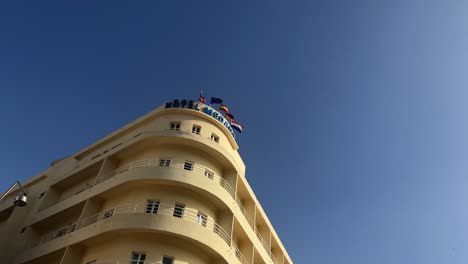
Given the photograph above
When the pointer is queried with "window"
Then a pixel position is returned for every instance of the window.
(164, 162)
(41, 195)
(152, 206)
(61, 232)
(188, 165)
(214, 138)
(23, 229)
(202, 219)
(116, 145)
(179, 210)
(108, 214)
(167, 260)
(174, 126)
(91, 262)
(209, 174)
(138, 258)
(196, 129)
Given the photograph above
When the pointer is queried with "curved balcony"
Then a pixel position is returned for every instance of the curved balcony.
(189, 215)
(169, 136)
(197, 169)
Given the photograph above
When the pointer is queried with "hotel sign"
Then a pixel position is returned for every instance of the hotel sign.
(190, 104)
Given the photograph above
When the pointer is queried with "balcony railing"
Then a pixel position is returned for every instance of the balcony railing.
(239, 255)
(163, 209)
(127, 261)
(190, 215)
(260, 237)
(244, 212)
(196, 168)
(273, 258)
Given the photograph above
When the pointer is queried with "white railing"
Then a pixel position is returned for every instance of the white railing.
(239, 254)
(190, 215)
(244, 212)
(128, 208)
(163, 209)
(196, 168)
(127, 261)
(273, 258)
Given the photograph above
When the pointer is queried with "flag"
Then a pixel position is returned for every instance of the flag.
(236, 126)
(201, 99)
(215, 100)
(224, 108)
(229, 116)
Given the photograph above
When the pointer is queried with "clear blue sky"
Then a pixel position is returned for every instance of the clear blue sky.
(355, 112)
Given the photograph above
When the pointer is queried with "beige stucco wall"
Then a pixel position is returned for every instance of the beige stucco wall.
(155, 246)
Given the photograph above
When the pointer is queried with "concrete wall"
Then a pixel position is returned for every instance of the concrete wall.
(154, 246)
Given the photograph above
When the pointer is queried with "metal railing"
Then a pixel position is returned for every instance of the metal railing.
(128, 208)
(186, 214)
(273, 258)
(127, 261)
(196, 168)
(244, 212)
(163, 209)
(239, 254)
(260, 237)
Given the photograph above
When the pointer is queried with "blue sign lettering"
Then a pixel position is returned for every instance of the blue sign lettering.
(190, 104)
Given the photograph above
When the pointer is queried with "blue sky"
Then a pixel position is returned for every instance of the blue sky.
(354, 111)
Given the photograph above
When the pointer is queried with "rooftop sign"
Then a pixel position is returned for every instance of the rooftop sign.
(190, 104)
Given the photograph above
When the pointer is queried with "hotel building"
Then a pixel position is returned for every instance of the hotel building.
(169, 187)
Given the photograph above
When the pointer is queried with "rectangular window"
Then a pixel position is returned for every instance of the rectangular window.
(61, 232)
(108, 214)
(179, 210)
(202, 219)
(174, 126)
(196, 129)
(138, 258)
(23, 229)
(152, 206)
(214, 138)
(164, 162)
(116, 145)
(188, 165)
(167, 260)
(209, 174)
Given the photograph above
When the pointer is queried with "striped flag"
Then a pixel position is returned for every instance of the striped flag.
(236, 126)
(201, 99)
(224, 108)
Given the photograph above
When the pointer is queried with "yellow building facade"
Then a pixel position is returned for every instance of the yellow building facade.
(167, 188)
